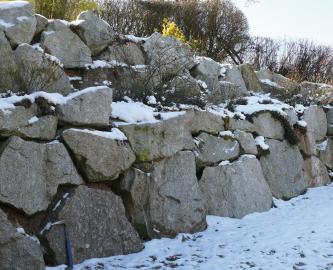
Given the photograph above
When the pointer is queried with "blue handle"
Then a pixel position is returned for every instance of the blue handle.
(69, 255)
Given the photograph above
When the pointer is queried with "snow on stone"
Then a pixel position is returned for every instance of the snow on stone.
(114, 134)
(98, 64)
(220, 110)
(139, 68)
(227, 133)
(107, 83)
(135, 39)
(224, 162)
(299, 108)
(202, 84)
(260, 141)
(269, 82)
(5, 24)
(136, 112)
(322, 146)
(37, 47)
(151, 100)
(169, 115)
(22, 18)
(33, 120)
(75, 78)
(20, 230)
(297, 234)
(54, 59)
(13, 4)
(84, 91)
(50, 57)
(257, 103)
(54, 142)
(302, 123)
(7, 103)
(48, 32)
(67, 23)
(330, 173)
(132, 112)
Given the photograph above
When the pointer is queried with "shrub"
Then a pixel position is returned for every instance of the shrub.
(170, 28)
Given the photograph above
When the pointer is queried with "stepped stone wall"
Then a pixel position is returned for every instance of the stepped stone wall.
(76, 147)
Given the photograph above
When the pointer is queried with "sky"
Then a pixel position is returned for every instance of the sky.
(311, 19)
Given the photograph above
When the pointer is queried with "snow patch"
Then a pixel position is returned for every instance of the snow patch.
(114, 134)
(298, 232)
(227, 133)
(260, 141)
(5, 24)
(302, 123)
(270, 83)
(33, 120)
(132, 112)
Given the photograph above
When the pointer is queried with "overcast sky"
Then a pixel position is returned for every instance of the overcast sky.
(311, 19)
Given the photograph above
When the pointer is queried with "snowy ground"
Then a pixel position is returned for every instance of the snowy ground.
(298, 234)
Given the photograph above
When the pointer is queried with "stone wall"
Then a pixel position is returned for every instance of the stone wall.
(67, 154)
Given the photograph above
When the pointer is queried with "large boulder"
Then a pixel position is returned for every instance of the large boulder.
(205, 121)
(23, 122)
(264, 74)
(246, 142)
(315, 118)
(158, 140)
(58, 40)
(272, 88)
(89, 107)
(213, 149)
(326, 153)
(18, 22)
(8, 68)
(276, 84)
(167, 201)
(129, 53)
(285, 82)
(207, 70)
(96, 33)
(167, 55)
(96, 226)
(114, 153)
(39, 168)
(226, 91)
(18, 251)
(236, 189)
(233, 75)
(40, 72)
(266, 125)
(306, 141)
(41, 23)
(235, 123)
(283, 168)
(316, 172)
(250, 78)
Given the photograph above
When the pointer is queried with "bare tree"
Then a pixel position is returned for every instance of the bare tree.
(215, 28)
(262, 53)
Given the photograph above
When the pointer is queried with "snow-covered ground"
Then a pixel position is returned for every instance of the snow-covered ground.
(298, 234)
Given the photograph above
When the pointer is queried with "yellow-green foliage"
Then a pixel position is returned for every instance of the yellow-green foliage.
(170, 28)
(63, 9)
